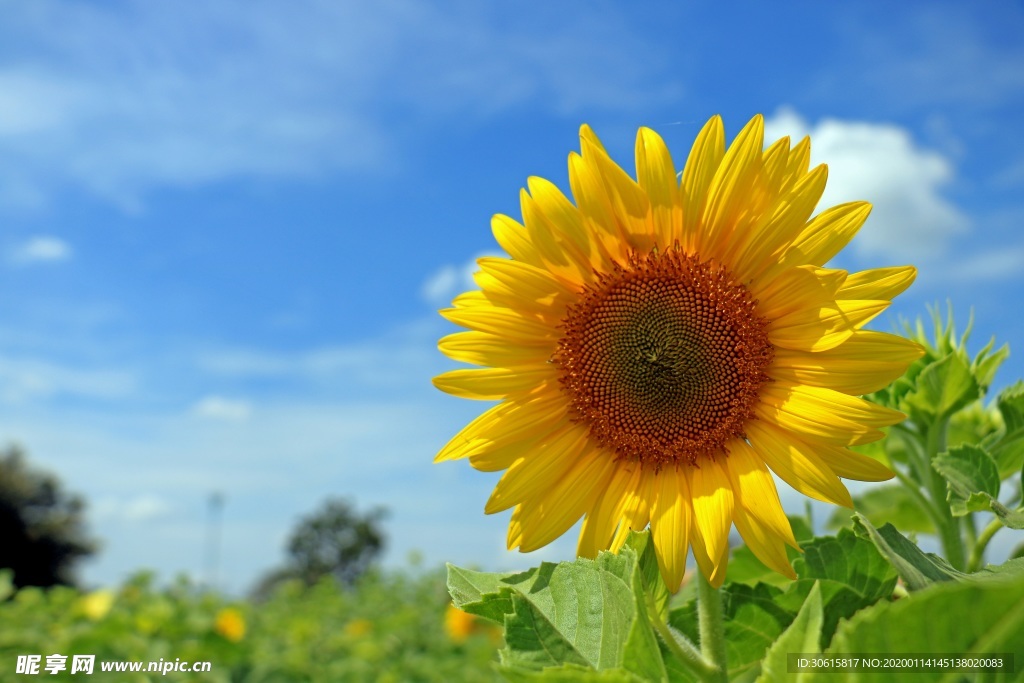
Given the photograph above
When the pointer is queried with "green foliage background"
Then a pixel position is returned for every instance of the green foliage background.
(315, 635)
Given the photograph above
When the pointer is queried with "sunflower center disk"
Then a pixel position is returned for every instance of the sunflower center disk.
(664, 359)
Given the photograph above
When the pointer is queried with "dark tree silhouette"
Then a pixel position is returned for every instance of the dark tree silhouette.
(335, 541)
(42, 531)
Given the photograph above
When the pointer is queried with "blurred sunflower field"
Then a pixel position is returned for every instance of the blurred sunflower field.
(393, 626)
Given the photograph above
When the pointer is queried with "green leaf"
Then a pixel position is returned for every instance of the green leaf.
(969, 471)
(851, 573)
(942, 388)
(917, 569)
(803, 636)
(887, 503)
(1008, 448)
(753, 621)
(744, 567)
(1014, 519)
(948, 618)
(587, 613)
(650, 575)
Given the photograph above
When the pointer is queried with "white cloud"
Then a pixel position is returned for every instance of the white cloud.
(25, 380)
(41, 249)
(450, 280)
(994, 264)
(220, 408)
(120, 99)
(881, 163)
(135, 509)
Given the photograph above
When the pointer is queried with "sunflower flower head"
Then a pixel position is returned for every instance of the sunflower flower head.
(660, 345)
(230, 624)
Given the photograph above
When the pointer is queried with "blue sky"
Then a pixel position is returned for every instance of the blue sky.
(225, 227)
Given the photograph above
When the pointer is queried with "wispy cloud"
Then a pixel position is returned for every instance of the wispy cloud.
(123, 98)
(41, 249)
(221, 408)
(881, 163)
(29, 379)
(450, 280)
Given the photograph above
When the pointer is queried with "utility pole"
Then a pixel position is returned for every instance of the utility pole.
(215, 516)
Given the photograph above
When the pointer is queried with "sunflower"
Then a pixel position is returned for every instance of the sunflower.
(663, 344)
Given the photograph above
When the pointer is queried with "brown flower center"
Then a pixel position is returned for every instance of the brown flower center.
(664, 359)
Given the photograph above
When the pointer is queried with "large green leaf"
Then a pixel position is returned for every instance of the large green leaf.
(917, 569)
(851, 574)
(942, 388)
(575, 612)
(802, 636)
(586, 615)
(951, 618)
(972, 478)
(887, 503)
(1008, 447)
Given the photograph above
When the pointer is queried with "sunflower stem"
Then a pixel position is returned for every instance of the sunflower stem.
(712, 627)
(978, 552)
(949, 530)
(680, 646)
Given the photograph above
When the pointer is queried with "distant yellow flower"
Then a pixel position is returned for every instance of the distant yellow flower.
(458, 624)
(663, 344)
(357, 628)
(230, 623)
(97, 604)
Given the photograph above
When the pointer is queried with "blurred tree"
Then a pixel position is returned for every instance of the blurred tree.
(335, 541)
(42, 531)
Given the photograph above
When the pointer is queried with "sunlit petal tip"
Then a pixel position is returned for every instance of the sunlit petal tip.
(588, 136)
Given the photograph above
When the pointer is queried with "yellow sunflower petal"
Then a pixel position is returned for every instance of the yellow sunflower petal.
(514, 239)
(799, 160)
(670, 524)
(711, 495)
(526, 286)
(598, 218)
(796, 290)
(794, 462)
(755, 488)
(493, 383)
(636, 511)
(701, 166)
(568, 230)
(539, 469)
(601, 522)
(765, 545)
(823, 328)
(711, 566)
(824, 414)
(555, 508)
(508, 422)
(515, 529)
(554, 230)
(480, 348)
(781, 225)
(629, 203)
(851, 465)
(503, 322)
(827, 234)
(879, 283)
(866, 362)
(734, 178)
(656, 174)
